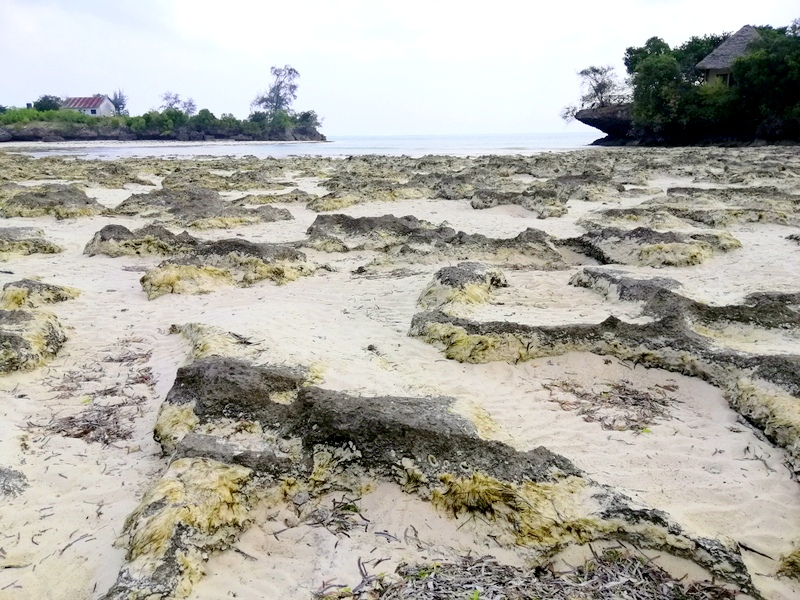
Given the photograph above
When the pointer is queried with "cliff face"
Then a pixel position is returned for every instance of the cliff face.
(614, 120)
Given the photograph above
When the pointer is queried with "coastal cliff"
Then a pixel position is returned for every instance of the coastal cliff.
(614, 120)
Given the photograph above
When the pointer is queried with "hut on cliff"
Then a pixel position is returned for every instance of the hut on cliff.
(718, 65)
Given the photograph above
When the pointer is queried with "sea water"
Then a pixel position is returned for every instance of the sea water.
(337, 146)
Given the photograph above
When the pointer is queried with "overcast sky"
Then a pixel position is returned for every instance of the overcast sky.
(367, 67)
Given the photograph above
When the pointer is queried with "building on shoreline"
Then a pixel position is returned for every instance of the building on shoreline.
(718, 65)
(99, 106)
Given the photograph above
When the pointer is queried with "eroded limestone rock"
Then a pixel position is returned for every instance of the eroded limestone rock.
(28, 293)
(197, 207)
(24, 241)
(765, 388)
(408, 239)
(59, 201)
(117, 240)
(28, 339)
(466, 283)
(212, 265)
(646, 247)
(537, 499)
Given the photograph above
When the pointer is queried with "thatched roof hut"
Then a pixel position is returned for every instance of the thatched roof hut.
(721, 59)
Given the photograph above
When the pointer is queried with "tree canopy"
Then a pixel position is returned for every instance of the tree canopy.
(47, 102)
(672, 100)
(281, 92)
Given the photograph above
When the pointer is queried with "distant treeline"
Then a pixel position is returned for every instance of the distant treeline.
(171, 123)
(272, 118)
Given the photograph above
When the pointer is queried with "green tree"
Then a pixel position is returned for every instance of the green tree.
(657, 87)
(693, 51)
(655, 46)
(47, 103)
(281, 93)
(599, 87)
(120, 102)
(203, 121)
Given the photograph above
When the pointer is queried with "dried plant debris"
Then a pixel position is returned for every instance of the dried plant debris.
(151, 240)
(29, 293)
(617, 406)
(102, 423)
(611, 575)
(197, 207)
(24, 241)
(212, 265)
(59, 201)
(12, 482)
(28, 339)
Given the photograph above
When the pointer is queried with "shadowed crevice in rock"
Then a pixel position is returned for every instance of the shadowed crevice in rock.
(197, 207)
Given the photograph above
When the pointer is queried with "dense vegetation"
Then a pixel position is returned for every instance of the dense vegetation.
(670, 100)
(179, 119)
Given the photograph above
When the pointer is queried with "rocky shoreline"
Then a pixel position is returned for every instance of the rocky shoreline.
(328, 378)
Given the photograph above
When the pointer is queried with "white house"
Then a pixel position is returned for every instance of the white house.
(99, 106)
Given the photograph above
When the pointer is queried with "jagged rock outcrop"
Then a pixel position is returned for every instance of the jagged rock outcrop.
(28, 293)
(537, 499)
(197, 207)
(117, 240)
(24, 241)
(614, 120)
(408, 239)
(211, 265)
(647, 247)
(28, 339)
(680, 337)
(60, 201)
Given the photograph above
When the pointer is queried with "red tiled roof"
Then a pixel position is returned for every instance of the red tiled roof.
(93, 102)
